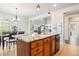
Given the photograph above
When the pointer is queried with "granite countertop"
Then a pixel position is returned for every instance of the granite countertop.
(33, 38)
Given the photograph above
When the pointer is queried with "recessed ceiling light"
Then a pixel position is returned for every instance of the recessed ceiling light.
(55, 5)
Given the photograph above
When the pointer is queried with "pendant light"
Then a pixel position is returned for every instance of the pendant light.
(48, 8)
(16, 18)
(16, 14)
(49, 12)
(38, 7)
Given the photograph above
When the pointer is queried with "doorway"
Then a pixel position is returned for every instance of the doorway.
(74, 32)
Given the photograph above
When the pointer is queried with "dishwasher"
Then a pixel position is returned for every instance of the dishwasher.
(57, 43)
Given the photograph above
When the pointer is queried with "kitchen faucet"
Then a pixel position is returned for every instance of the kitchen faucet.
(41, 29)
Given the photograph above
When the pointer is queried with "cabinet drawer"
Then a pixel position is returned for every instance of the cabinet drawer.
(36, 43)
(39, 54)
(36, 50)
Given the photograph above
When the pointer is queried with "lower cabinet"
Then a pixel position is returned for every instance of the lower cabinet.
(52, 45)
(37, 50)
(39, 54)
(47, 51)
(22, 48)
(47, 46)
(42, 47)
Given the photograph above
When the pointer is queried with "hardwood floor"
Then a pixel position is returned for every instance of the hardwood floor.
(65, 50)
(8, 51)
(68, 50)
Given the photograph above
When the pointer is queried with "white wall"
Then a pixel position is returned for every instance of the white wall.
(66, 28)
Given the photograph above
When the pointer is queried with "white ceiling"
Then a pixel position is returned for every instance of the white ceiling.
(29, 9)
(73, 12)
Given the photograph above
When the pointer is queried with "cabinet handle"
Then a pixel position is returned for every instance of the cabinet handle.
(37, 43)
(37, 50)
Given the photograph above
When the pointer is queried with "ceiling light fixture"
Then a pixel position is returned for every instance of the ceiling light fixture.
(16, 19)
(49, 9)
(55, 5)
(16, 14)
(38, 7)
(48, 12)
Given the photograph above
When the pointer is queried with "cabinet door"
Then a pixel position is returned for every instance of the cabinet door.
(47, 47)
(47, 51)
(52, 45)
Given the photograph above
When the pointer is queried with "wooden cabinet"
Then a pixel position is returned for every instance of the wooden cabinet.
(46, 51)
(36, 50)
(22, 48)
(39, 54)
(36, 47)
(47, 46)
(36, 43)
(52, 45)
(41, 47)
(47, 41)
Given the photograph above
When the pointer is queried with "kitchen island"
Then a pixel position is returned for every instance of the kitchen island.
(41, 45)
